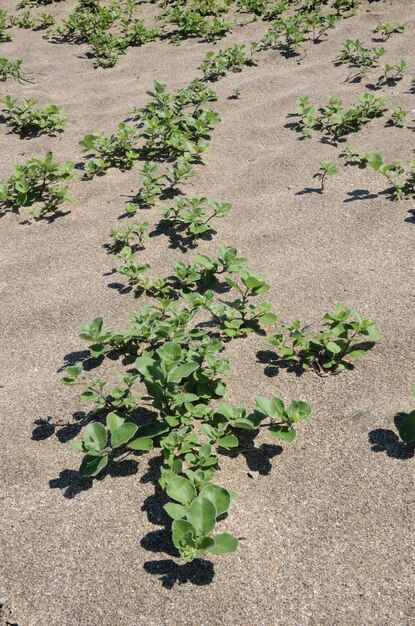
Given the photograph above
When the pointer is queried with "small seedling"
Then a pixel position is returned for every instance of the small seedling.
(397, 117)
(236, 93)
(385, 30)
(326, 168)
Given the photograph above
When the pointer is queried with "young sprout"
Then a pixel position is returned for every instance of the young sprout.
(327, 168)
(236, 93)
(385, 30)
(397, 117)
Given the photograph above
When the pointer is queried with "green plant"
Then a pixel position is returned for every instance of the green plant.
(191, 215)
(5, 23)
(45, 20)
(236, 93)
(357, 55)
(407, 428)
(118, 150)
(234, 58)
(13, 69)
(36, 184)
(385, 30)
(333, 119)
(128, 235)
(180, 363)
(391, 74)
(397, 117)
(326, 168)
(27, 119)
(24, 20)
(345, 335)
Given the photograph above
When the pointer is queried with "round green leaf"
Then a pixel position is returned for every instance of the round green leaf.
(224, 543)
(144, 444)
(92, 465)
(181, 489)
(202, 515)
(218, 495)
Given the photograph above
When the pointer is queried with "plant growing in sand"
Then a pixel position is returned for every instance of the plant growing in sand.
(37, 185)
(345, 335)
(326, 168)
(27, 119)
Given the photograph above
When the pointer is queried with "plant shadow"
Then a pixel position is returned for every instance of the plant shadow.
(273, 364)
(388, 441)
(411, 218)
(360, 194)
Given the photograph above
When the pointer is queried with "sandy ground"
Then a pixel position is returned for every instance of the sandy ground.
(327, 522)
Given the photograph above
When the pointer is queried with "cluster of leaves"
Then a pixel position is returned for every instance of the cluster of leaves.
(5, 24)
(385, 30)
(168, 127)
(391, 74)
(12, 68)
(201, 19)
(401, 180)
(109, 30)
(345, 335)
(27, 119)
(288, 33)
(333, 120)
(37, 184)
(180, 363)
(192, 215)
(356, 55)
(234, 58)
(35, 3)
(134, 236)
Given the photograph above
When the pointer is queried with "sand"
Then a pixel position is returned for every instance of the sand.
(327, 523)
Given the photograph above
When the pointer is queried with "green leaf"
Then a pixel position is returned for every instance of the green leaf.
(333, 347)
(176, 511)
(229, 441)
(114, 421)
(77, 445)
(182, 531)
(407, 429)
(181, 489)
(265, 405)
(202, 515)
(92, 465)
(268, 318)
(144, 444)
(218, 495)
(184, 370)
(224, 543)
(95, 436)
(122, 434)
(283, 432)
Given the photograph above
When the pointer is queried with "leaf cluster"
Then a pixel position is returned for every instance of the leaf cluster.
(344, 335)
(37, 184)
(27, 119)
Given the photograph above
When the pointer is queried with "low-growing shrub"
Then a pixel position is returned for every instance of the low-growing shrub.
(37, 185)
(27, 119)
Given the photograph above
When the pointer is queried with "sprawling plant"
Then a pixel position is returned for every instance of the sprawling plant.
(345, 335)
(401, 180)
(171, 127)
(10, 68)
(37, 186)
(180, 363)
(5, 23)
(109, 30)
(27, 119)
(333, 120)
(391, 74)
(190, 21)
(385, 30)
(234, 58)
(192, 216)
(356, 55)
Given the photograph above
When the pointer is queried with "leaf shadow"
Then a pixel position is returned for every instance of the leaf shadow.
(388, 441)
